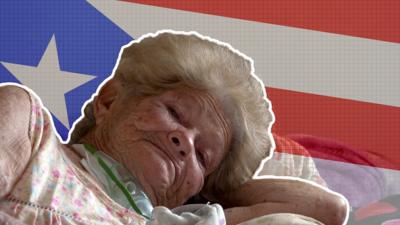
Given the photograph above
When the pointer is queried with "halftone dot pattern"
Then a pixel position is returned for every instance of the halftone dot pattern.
(88, 41)
(87, 44)
(366, 127)
(368, 19)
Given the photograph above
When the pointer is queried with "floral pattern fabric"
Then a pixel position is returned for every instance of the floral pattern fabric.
(54, 188)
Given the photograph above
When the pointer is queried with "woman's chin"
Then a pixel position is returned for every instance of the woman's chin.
(157, 174)
(163, 194)
(157, 182)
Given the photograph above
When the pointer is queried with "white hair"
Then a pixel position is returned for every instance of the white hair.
(170, 60)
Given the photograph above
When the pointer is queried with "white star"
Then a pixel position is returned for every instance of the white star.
(49, 82)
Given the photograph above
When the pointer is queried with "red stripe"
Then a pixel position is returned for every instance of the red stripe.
(365, 127)
(374, 19)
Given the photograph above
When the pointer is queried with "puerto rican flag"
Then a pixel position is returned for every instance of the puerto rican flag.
(332, 68)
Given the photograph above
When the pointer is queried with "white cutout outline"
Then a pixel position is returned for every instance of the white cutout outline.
(256, 175)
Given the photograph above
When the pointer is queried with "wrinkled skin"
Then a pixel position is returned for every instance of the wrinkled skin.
(170, 142)
(253, 199)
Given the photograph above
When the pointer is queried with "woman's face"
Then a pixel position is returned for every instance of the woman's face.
(171, 141)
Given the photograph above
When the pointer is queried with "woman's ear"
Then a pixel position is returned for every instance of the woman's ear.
(105, 99)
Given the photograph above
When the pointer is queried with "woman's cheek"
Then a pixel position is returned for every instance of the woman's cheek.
(194, 182)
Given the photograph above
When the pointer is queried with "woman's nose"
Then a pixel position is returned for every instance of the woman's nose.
(181, 142)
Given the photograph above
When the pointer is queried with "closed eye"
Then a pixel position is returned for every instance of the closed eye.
(173, 112)
(201, 158)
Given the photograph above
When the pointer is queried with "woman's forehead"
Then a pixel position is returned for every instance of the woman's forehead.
(198, 101)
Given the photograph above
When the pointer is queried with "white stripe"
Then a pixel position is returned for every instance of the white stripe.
(285, 57)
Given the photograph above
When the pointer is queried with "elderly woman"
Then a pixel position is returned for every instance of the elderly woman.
(181, 115)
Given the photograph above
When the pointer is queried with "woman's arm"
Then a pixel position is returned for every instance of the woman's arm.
(266, 196)
(15, 144)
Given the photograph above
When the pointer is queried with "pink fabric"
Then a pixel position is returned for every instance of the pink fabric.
(334, 150)
(291, 159)
(359, 184)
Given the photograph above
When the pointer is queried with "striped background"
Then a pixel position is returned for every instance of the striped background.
(331, 67)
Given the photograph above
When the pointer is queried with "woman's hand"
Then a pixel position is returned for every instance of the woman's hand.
(15, 144)
(266, 196)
